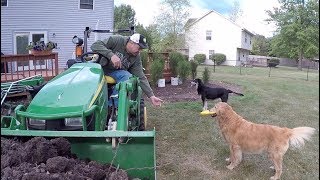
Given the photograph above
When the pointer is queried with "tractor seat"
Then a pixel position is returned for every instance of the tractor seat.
(110, 80)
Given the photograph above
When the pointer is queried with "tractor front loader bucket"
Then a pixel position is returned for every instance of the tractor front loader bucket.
(135, 154)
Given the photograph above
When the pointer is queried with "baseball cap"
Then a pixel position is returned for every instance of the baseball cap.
(139, 39)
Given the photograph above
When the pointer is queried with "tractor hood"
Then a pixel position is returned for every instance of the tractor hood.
(72, 91)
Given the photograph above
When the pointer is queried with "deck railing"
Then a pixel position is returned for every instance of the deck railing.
(16, 67)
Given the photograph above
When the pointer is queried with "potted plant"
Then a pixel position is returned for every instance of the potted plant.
(156, 73)
(175, 58)
(41, 48)
(184, 70)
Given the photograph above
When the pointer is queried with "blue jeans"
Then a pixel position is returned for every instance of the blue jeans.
(119, 76)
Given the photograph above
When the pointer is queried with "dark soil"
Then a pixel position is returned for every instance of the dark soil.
(40, 158)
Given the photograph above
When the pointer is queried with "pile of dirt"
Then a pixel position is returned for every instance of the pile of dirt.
(40, 158)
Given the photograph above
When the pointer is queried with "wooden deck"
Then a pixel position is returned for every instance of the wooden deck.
(16, 67)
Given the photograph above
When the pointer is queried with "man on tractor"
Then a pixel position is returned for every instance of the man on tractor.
(124, 53)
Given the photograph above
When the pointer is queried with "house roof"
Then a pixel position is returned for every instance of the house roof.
(193, 21)
(243, 29)
(190, 21)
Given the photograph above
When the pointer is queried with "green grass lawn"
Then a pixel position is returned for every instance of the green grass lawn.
(191, 147)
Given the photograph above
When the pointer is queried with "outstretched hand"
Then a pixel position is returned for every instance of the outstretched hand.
(156, 101)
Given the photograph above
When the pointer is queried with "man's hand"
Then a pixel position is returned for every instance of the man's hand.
(156, 101)
(116, 61)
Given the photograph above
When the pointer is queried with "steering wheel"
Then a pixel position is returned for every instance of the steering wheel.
(94, 57)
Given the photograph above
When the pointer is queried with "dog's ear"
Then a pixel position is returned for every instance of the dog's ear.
(222, 107)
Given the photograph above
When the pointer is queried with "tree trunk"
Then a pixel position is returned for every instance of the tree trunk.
(300, 60)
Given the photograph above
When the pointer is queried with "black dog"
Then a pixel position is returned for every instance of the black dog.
(211, 93)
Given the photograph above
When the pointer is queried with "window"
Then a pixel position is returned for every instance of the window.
(245, 38)
(22, 40)
(20, 43)
(4, 3)
(211, 52)
(86, 4)
(208, 35)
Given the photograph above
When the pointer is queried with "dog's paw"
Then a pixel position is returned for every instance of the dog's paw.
(230, 167)
(228, 159)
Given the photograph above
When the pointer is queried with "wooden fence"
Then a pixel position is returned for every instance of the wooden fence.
(167, 74)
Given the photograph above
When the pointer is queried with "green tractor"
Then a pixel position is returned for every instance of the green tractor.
(73, 105)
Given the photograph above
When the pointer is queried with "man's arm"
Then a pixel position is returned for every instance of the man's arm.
(136, 69)
(104, 47)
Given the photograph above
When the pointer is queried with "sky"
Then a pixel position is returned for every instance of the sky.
(253, 12)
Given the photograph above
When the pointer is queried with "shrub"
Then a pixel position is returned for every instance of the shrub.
(194, 65)
(273, 62)
(175, 57)
(144, 58)
(184, 70)
(158, 57)
(156, 71)
(206, 75)
(186, 57)
(200, 58)
(218, 58)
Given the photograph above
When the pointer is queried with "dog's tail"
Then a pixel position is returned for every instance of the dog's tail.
(230, 91)
(299, 135)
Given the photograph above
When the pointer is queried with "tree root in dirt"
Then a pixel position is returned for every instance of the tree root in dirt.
(41, 158)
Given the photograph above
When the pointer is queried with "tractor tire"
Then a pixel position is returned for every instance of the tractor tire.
(143, 117)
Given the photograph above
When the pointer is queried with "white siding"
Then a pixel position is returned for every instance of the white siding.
(246, 40)
(227, 37)
(62, 18)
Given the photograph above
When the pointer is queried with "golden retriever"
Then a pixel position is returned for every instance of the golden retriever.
(246, 137)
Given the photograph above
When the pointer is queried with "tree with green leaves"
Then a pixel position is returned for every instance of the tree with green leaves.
(261, 45)
(124, 17)
(154, 38)
(298, 29)
(171, 21)
(151, 34)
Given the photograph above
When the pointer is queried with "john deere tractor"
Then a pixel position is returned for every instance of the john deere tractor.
(74, 105)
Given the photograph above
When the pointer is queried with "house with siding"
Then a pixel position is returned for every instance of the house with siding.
(26, 21)
(213, 33)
